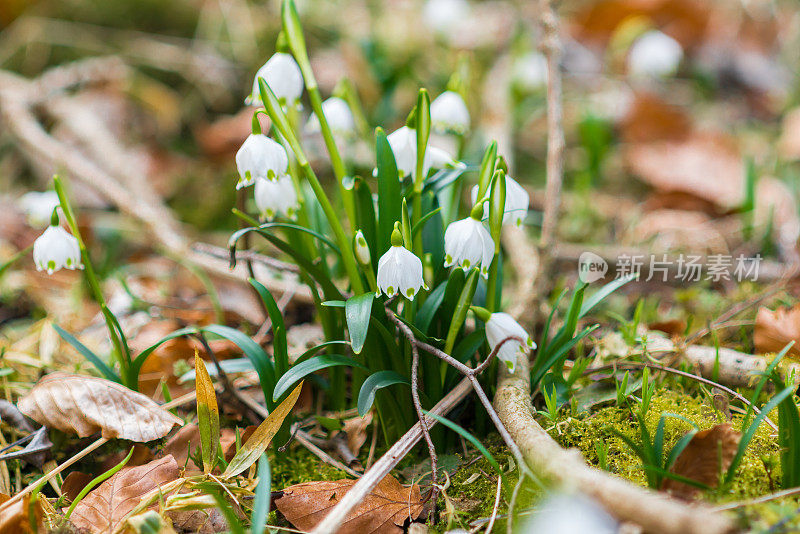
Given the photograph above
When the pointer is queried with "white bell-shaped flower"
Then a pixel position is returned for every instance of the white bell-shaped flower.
(56, 249)
(399, 270)
(517, 202)
(38, 207)
(467, 244)
(283, 76)
(654, 55)
(530, 71)
(361, 249)
(276, 197)
(339, 117)
(449, 113)
(446, 16)
(501, 326)
(404, 147)
(260, 157)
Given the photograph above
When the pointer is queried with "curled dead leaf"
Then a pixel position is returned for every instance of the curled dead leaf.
(775, 329)
(106, 506)
(85, 405)
(383, 511)
(700, 460)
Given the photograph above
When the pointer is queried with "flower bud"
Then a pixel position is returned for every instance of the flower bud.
(361, 249)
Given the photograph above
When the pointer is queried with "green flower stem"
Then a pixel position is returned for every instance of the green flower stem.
(281, 124)
(21, 254)
(423, 129)
(293, 32)
(491, 283)
(121, 349)
(337, 163)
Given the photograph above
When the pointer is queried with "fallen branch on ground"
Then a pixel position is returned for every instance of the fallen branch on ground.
(655, 512)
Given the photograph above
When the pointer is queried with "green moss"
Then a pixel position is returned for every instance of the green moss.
(585, 430)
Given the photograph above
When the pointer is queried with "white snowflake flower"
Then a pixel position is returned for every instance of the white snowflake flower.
(56, 249)
(449, 113)
(38, 207)
(446, 16)
(467, 244)
(501, 326)
(399, 270)
(654, 55)
(404, 146)
(339, 117)
(283, 76)
(517, 202)
(530, 71)
(260, 157)
(276, 197)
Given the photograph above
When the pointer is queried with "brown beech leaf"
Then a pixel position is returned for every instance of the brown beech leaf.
(383, 511)
(700, 460)
(105, 506)
(706, 165)
(86, 405)
(775, 329)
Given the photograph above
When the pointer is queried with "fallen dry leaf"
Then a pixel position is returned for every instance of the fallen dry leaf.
(355, 429)
(15, 519)
(182, 446)
(74, 483)
(383, 511)
(85, 405)
(650, 118)
(677, 230)
(102, 510)
(700, 460)
(775, 329)
(704, 165)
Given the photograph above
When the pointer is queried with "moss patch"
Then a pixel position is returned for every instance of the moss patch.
(584, 431)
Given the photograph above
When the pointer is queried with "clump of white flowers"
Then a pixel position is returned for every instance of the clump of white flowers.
(38, 207)
(276, 197)
(260, 157)
(449, 114)
(339, 117)
(399, 270)
(501, 326)
(56, 249)
(283, 76)
(467, 244)
(517, 201)
(404, 146)
(654, 55)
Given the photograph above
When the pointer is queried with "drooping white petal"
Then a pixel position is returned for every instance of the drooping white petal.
(338, 115)
(283, 76)
(277, 197)
(501, 326)
(517, 202)
(56, 249)
(530, 71)
(400, 271)
(449, 113)
(260, 157)
(467, 244)
(654, 55)
(446, 16)
(38, 207)
(404, 146)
